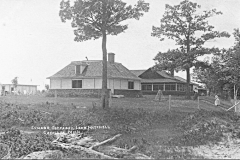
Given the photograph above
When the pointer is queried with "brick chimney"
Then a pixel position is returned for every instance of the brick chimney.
(111, 57)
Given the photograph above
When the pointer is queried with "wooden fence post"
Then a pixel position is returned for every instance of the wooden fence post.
(198, 103)
(169, 103)
(55, 97)
(110, 98)
(235, 108)
(238, 108)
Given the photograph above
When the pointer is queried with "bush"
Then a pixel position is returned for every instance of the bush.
(23, 144)
(204, 127)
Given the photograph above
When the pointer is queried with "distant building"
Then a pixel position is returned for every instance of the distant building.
(152, 81)
(84, 78)
(21, 88)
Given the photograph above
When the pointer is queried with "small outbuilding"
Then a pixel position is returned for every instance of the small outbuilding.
(20, 89)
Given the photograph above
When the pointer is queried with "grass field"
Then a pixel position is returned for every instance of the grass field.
(141, 121)
(147, 102)
(161, 129)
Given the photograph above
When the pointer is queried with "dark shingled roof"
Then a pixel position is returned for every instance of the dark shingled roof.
(137, 72)
(167, 77)
(162, 73)
(163, 80)
(165, 74)
(94, 70)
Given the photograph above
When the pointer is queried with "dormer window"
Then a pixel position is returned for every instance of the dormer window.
(79, 69)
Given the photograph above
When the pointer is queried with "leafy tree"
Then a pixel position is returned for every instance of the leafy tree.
(190, 30)
(168, 61)
(47, 86)
(3, 91)
(205, 76)
(236, 34)
(211, 76)
(92, 19)
(224, 69)
(15, 82)
(231, 58)
(233, 67)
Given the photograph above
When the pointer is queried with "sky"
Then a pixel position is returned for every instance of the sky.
(35, 44)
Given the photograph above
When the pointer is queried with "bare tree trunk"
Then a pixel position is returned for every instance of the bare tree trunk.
(209, 91)
(188, 84)
(235, 93)
(172, 72)
(105, 96)
(188, 68)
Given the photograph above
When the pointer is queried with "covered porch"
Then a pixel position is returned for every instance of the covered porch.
(169, 88)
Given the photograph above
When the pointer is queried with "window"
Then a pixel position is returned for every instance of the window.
(146, 87)
(183, 87)
(173, 87)
(130, 85)
(167, 87)
(76, 83)
(157, 87)
(77, 69)
(170, 87)
(180, 87)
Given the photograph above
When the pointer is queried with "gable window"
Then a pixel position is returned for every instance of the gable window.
(130, 85)
(76, 83)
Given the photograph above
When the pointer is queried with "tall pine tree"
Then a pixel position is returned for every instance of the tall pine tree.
(92, 19)
(190, 30)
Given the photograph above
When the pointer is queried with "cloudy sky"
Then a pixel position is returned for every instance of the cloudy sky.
(35, 44)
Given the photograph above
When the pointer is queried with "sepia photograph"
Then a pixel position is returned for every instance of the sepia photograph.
(119, 79)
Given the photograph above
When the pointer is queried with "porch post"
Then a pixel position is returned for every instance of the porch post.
(120, 84)
(176, 86)
(164, 86)
(152, 86)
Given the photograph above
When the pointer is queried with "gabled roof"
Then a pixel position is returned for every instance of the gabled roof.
(137, 72)
(94, 70)
(161, 73)
(166, 77)
(165, 74)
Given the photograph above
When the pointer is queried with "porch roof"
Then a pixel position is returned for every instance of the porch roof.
(165, 80)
